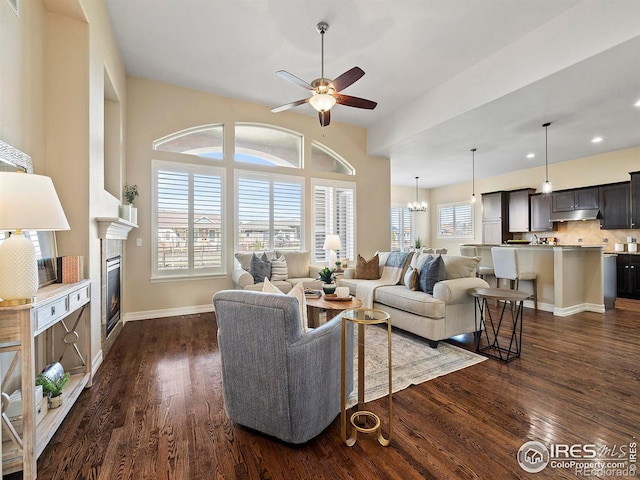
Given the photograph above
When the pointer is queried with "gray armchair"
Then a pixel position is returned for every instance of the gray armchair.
(275, 378)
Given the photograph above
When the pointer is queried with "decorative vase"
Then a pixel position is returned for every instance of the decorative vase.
(128, 213)
(55, 402)
(329, 287)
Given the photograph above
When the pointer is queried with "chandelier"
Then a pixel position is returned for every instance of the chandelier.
(417, 206)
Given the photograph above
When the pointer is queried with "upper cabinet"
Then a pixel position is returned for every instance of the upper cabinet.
(519, 220)
(495, 215)
(541, 213)
(635, 199)
(615, 203)
(577, 199)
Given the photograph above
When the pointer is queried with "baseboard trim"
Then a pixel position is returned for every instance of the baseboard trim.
(168, 312)
(583, 307)
(96, 362)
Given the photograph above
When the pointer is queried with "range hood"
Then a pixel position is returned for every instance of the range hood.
(585, 214)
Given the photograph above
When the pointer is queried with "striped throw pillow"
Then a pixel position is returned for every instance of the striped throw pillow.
(279, 268)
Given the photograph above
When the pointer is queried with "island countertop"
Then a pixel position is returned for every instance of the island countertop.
(570, 277)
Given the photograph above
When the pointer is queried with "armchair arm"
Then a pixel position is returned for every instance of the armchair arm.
(241, 278)
(457, 290)
(314, 362)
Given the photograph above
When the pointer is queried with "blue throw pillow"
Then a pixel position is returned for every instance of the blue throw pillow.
(432, 272)
(260, 268)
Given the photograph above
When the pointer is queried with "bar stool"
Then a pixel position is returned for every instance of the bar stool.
(482, 272)
(506, 266)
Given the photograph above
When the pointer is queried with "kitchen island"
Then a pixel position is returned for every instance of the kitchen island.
(570, 277)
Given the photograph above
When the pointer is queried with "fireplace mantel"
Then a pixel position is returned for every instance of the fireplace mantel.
(114, 228)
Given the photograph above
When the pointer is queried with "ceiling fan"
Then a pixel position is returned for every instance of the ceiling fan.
(326, 92)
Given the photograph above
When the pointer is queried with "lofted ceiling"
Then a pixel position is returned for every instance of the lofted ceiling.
(448, 75)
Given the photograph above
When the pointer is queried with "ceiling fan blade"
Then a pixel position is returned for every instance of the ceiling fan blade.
(357, 102)
(347, 78)
(282, 108)
(325, 118)
(293, 79)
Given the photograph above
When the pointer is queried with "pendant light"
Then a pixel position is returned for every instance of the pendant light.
(546, 186)
(417, 206)
(473, 175)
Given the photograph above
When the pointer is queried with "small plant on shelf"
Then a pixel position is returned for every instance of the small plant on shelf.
(130, 193)
(418, 243)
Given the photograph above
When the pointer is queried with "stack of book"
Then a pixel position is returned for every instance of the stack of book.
(308, 293)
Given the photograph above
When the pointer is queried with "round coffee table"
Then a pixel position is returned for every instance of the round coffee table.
(333, 308)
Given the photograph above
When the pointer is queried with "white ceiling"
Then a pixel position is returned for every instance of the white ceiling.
(448, 75)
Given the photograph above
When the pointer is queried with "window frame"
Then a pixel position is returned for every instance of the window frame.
(272, 177)
(275, 161)
(190, 272)
(334, 184)
(404, 213)
(455, 205)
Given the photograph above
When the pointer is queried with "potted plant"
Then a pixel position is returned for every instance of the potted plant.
(129, 212)
(52, 388)
(418, 243)
(328, 279)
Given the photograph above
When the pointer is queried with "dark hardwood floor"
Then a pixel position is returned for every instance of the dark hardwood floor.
(155, 410)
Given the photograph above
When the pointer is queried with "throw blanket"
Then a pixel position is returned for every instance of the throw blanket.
(391, 275)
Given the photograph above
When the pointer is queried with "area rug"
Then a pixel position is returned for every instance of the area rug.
(413, 360)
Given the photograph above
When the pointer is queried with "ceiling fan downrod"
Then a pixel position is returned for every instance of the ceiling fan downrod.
(322, 27)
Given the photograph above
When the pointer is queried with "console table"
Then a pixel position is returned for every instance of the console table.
(56, 327)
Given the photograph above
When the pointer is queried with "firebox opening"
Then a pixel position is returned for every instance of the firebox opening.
(113, 293)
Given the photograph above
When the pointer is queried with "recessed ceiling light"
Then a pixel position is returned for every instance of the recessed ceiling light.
(531, 155)
(596, 139)
(637, 104)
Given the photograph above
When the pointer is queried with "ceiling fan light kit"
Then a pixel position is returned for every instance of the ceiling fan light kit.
(326, 92)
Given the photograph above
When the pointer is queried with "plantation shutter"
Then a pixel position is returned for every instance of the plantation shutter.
(333, 213)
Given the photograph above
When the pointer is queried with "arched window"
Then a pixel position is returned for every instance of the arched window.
(267, 145)
(326, 160)
(203, 141)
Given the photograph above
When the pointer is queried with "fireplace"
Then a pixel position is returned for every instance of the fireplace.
(112, 306)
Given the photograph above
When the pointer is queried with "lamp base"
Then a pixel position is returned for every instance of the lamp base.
(15, 303)
(18, 269)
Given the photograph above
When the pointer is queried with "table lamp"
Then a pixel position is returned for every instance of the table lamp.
(332, 243)
(27, 202)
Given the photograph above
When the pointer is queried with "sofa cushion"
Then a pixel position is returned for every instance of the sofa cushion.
(431, 272)
(416, 302)
(279, 268)
(297, 263)
(411, 279)
(283, 286)
(418, 260)
(367, 269)
(460, 267)
(297, 292)
(260, 268)
(244, 258)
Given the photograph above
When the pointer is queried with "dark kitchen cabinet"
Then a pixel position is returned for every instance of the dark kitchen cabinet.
(615, 206)
(495, 217)
(577, 199)
(541, 212)
(628, 275)
(635, 199)
(519, 220)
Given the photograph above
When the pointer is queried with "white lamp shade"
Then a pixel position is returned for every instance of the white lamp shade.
(322, 102)
(332, 242)
(29, 202)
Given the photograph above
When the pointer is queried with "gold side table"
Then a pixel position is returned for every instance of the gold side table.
(358, 420)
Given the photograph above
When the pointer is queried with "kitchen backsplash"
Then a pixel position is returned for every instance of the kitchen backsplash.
(587, 232)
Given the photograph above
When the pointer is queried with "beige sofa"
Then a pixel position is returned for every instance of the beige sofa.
(299, 269)
(450, 311)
